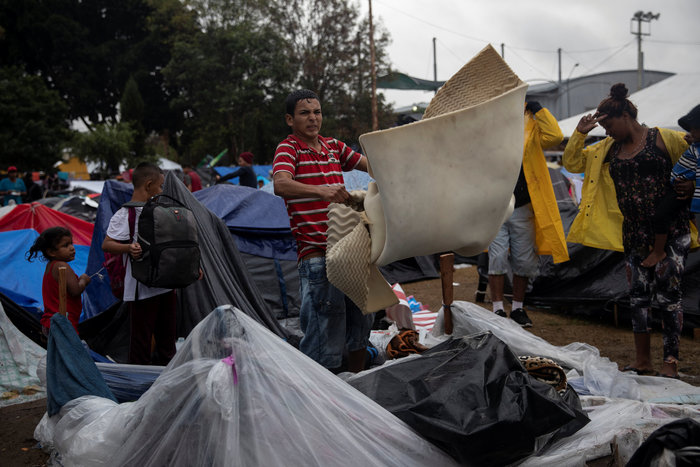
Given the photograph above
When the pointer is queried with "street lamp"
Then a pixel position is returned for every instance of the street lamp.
(568, 100)
(641, 17)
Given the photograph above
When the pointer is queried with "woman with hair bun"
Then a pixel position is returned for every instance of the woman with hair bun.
(626, 175)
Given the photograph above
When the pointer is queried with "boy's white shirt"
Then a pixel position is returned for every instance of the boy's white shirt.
(119, 230)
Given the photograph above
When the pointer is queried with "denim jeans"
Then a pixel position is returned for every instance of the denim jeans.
(330, 320)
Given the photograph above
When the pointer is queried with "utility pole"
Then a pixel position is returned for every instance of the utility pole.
(641, 17)
(375, 119)
(435, 66)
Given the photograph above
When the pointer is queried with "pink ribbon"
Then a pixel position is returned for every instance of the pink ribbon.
(231, 361)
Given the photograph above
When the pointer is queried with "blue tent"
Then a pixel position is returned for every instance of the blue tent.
(21, 279)
(258, 220)
(114, 194)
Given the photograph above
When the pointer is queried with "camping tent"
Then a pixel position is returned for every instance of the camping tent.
(19, 229)
(660, 104)
(226, 278)
(260, 226)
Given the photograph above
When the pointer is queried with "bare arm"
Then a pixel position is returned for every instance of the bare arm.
(362, 165)
(115, 247)
(74, 285)
(287, 187)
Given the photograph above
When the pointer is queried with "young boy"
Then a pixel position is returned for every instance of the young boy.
(152, 310)
(686, 169)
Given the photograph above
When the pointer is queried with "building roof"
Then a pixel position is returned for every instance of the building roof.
(660, 104)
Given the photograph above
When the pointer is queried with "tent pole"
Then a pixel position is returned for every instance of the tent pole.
(446, 275)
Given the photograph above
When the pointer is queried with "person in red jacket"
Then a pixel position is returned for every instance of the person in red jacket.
(192, 180)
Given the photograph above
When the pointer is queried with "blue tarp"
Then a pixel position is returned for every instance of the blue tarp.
(262, 171)
(258, 220)
(21, 279)
(99, 292)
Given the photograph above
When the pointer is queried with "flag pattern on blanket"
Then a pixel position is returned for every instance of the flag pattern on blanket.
(424, 319)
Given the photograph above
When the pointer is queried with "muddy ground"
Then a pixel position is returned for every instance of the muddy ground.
(559, 327)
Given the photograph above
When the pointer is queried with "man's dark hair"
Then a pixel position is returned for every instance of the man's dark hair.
(300, 94)
(145, 171)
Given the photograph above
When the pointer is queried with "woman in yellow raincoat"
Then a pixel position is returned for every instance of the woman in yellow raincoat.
(625, 176)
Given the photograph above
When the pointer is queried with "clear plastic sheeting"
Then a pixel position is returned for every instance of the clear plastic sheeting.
(236, 395)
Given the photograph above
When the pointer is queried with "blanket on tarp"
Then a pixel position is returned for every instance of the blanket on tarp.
(70, 371)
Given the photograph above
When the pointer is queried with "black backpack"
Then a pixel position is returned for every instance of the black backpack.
(168, 237)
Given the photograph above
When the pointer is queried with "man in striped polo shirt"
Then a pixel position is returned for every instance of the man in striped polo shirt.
(308, 174)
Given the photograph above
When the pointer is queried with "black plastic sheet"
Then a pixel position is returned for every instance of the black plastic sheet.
(472, 398)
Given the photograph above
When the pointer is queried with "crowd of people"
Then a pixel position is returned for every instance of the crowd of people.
(638, 193)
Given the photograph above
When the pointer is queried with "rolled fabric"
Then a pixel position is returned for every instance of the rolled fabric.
(445, 183)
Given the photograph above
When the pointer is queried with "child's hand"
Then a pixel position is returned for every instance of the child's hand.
(135, 250)
(84, 278)
(688, 138)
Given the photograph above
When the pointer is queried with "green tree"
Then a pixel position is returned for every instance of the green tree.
(33, 121)
(329, 48)
(227, 76)
(107, 144)
(132, 109)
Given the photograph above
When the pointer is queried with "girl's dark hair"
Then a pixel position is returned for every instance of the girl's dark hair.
(48, 239)
(617, 103)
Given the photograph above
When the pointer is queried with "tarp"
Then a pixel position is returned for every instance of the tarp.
(258, 219)
(70, 371)
(237, 395)
(39, 217)
(226, 279)
(623, 408)
(594, 277)
(660, 104)
(22, 280)
(396, 80)
(19, 358)
(472, 398)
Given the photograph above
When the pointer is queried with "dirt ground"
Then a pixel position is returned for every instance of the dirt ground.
(18, 447)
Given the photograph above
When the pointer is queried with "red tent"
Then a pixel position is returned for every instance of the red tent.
(39, 217)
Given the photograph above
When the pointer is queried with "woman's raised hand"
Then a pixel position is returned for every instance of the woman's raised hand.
(588, 122)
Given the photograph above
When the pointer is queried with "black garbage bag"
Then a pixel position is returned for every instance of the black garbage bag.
(681, 436)
(472, 398)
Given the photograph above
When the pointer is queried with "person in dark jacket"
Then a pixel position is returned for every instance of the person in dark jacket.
(245, 171)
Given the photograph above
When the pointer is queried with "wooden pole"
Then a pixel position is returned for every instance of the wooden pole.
(62, 290)
(446, 275)
(373, 71)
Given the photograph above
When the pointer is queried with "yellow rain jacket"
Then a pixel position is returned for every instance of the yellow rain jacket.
(599, 221)
(542, 132)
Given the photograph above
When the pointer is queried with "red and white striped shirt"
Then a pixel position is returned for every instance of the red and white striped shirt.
(308, 217)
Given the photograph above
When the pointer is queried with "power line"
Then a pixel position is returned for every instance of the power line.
(612, 55)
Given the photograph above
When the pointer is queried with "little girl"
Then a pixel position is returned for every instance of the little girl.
(56, 247)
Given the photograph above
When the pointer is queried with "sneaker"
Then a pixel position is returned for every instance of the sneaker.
(520, 316)
(501, 313)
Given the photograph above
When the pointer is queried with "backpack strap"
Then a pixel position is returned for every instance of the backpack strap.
(132, 222)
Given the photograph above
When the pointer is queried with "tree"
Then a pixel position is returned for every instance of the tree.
(107, 144)
(33, 121)
(329, 48)
(132, 110)
(226, 77)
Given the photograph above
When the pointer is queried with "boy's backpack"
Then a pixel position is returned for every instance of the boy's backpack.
(114, 263)
(168, 237)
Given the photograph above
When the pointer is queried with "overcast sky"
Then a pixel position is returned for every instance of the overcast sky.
(593, 33)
